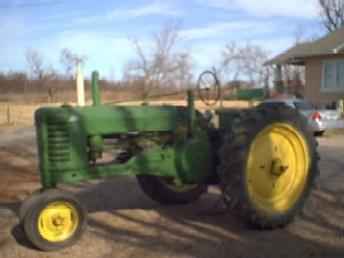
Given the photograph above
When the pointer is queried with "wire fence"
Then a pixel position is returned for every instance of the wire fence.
(15, 114)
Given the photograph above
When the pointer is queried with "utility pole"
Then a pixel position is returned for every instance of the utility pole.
(80, 87)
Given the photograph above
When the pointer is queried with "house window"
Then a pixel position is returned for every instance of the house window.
(333, 76)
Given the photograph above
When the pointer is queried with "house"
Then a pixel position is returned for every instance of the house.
(323, 60)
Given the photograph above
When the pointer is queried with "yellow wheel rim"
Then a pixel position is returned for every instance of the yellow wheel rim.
(277, 168)
(58, 221)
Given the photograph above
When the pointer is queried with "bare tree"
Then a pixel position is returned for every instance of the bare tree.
(332, 14)
(184, 75)
(246, 63)
(43, 75)
(49, 82)
(230, 64)
(253, 61)
(35, 63)
(293, 76)
(70, 60)
(160, 64)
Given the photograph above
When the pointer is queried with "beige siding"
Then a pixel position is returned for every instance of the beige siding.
(313, 82)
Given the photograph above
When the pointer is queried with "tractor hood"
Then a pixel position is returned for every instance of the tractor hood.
(102, 120)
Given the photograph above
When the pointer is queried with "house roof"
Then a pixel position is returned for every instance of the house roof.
(332, 43)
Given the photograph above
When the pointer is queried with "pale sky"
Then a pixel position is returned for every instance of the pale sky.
(101, 29)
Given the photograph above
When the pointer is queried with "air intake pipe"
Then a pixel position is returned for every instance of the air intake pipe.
(95, 89)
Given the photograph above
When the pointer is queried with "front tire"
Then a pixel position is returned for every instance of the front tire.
(166, 192)
(26, 204)
(54, 220)
(269, 164)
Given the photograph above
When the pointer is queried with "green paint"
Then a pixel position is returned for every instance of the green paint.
(251, 94)
(95, 89)
(180, 162)
(163, 141)
(191, 112)
(116, 119)
(70, 138)
(62, 142)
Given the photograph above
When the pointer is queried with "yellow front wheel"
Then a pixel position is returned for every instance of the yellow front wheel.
(54, 220)
(268, 165)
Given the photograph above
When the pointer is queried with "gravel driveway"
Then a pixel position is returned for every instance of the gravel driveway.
(125, 223)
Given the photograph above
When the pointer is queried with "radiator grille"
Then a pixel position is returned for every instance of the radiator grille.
(59, 148)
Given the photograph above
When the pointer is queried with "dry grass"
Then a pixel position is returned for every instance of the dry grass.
(19, 115)
(332, 132)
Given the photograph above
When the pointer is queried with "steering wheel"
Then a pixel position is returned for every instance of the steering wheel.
(208, 87)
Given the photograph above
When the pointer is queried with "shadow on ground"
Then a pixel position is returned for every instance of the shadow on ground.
(134, 225)
(125, 223)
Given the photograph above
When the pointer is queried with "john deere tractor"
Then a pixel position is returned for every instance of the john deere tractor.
(264, 159)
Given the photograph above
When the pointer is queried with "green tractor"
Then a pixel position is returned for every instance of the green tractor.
(264, 159)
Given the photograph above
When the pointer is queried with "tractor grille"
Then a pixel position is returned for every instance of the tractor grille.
(59, 148)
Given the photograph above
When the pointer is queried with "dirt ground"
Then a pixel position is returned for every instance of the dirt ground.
(125, 223)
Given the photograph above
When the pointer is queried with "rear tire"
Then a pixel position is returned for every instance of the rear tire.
(159, 190)
(247, 166)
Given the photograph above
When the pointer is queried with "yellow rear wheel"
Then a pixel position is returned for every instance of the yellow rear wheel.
(268, 165)
(277, 168)
(54, 220)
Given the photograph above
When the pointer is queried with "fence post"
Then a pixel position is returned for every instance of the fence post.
(8, 114)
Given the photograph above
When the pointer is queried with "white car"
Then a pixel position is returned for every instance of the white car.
(319, 120)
